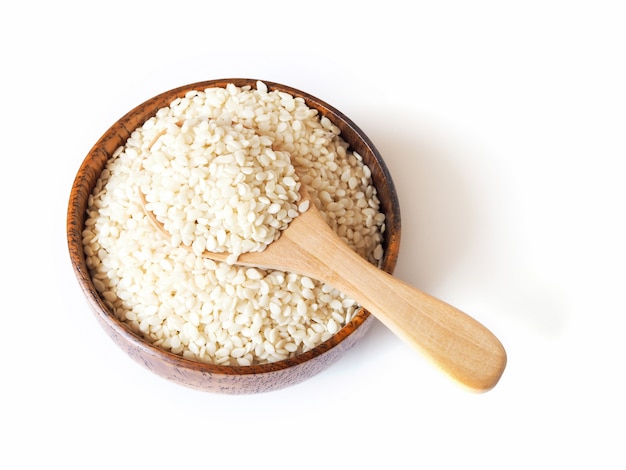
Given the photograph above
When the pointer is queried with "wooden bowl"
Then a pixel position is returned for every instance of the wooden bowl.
(209, 377)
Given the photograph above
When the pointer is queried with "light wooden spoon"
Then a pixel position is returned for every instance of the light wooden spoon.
(456, 342)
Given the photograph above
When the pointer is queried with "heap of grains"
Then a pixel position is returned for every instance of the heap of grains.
(218, 169)
(219, 186)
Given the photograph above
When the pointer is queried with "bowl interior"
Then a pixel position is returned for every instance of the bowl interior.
(227, 379)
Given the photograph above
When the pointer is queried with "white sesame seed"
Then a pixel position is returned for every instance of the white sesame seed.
(214, 183)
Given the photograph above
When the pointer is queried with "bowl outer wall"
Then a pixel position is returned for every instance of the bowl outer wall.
(209, 377)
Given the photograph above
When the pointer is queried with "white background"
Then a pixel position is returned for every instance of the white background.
(503, 126)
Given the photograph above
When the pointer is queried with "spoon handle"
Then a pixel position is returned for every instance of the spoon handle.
(456, 342)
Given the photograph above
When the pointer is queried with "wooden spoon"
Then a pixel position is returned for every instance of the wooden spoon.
(456, 342)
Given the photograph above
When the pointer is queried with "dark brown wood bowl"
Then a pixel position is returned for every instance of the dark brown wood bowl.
(209, 377)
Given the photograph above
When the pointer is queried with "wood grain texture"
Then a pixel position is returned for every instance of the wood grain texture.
(454, 341)
(208, 377)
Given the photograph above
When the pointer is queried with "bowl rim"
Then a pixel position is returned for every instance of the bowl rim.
(121, 130)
